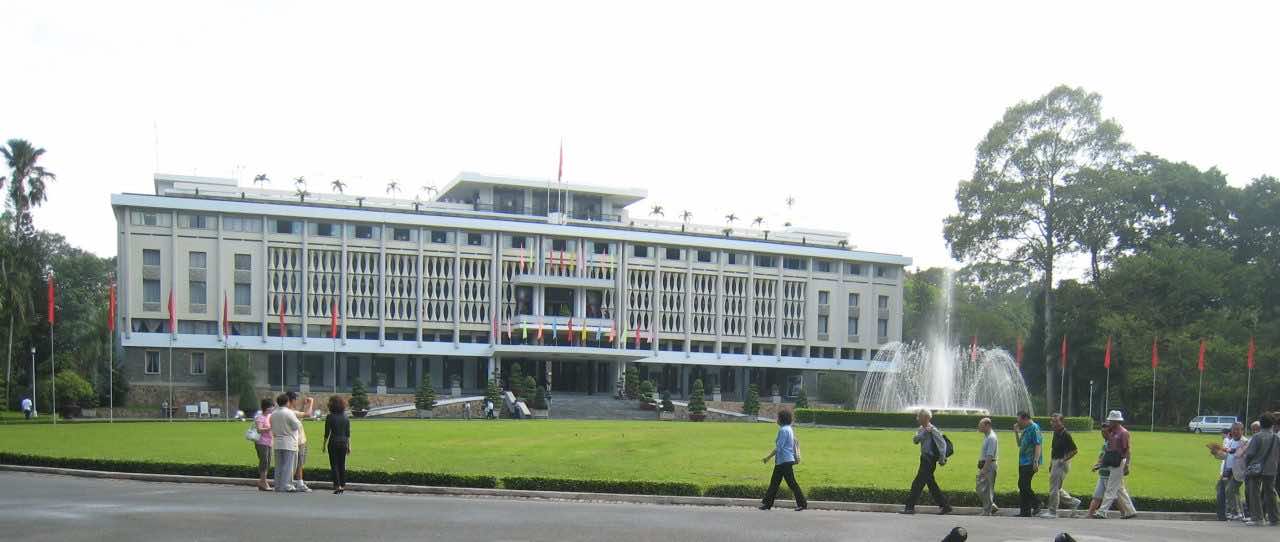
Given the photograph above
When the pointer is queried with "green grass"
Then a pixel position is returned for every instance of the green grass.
(1165, 465)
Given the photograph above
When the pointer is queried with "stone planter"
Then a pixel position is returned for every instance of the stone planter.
(666, 416)
(425, 414)
(697, 416)
(359, 413)
(381, 389)
(304, 387)
(715, 393)
(777, 399)
(540, 414)
(455, 391)
(648, 406)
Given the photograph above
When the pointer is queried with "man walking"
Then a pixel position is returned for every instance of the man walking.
(933, 451)
(26, 407)
(1030, 454)
(1061, 452)
(1118, 443)
(284, 441)
(986, 484)
(1231, 478)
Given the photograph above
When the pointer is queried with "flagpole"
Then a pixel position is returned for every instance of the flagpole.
(111, 368)
(1153, 398)
(1199, 392)
(53, 375)
(1248, 387)
(1062, 385)
(172, 406)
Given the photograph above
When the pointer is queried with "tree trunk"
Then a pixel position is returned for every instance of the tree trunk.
(1049, 369)
(1093, 265)
(8, 370)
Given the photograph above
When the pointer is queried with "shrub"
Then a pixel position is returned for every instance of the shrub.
(802, 400)
(425, 398)
(540, 398)
(667, 405)
(632, 383)
(359, 396)
(751, 406)
(515, 381)
(73, 390)
(493, 393)
(835, 388)
(530, 388)
(697, 401)
(744, 491)
(627, 487)
(908, 420)
(646, 391)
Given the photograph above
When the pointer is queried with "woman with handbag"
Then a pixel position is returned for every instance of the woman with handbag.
(786, 454)
(260, 434)
(1261, 459)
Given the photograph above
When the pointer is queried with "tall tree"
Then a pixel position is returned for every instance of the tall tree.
(26, 183)
(1010, 210)
(27, 179)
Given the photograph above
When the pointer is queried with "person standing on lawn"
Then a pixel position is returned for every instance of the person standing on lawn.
(786, 455)
(284, 442)
(1030, 454)
(262, 422)
(307, 412)
(1061, 452)
(1231, 477)
(337, 441)
(1118, 446)
(1262, 461)
(986, 484)
(26, 407)
(933, 452)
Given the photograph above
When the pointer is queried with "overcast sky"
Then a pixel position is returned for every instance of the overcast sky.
(867, 114)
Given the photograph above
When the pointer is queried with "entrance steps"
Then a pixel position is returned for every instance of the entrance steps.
(578, 406)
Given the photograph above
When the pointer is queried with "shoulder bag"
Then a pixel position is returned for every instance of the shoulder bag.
(1255, 469)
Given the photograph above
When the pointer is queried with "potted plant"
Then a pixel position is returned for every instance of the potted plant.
(751, 406)
(494, 395)
(697, 403)
(774, 396)
(381, 379)
(539, 408)
(802, 400)
(646, 396)
(668, 410)
(515, 382)
(425, 398)
(632, 386)
(359, 399)
(304, 381)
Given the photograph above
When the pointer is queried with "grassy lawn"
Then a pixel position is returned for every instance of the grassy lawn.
(1165, 465)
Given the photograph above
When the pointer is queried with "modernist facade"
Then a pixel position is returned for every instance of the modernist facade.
(492, 272)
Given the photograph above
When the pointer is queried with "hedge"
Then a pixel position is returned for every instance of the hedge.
(908, 420)
(630, 487)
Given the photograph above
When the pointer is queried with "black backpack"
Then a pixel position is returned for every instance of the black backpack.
(951, 449)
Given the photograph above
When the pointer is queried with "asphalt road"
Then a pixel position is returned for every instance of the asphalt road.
(37, 507)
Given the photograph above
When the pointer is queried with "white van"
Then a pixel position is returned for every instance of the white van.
(1210, 424)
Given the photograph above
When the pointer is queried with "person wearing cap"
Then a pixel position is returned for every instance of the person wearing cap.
(1117, 438)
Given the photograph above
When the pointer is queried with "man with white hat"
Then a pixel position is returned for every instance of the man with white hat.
(1117, 443)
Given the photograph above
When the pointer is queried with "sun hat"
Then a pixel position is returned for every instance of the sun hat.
(1114, 416)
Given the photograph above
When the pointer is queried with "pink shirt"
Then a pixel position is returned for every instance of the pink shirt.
(263, 423)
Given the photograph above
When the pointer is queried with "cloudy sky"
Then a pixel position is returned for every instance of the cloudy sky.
(866, 114)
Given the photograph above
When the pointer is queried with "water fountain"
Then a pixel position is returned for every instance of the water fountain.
(941, 376)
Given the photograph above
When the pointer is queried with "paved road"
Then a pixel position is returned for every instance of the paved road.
(36, 507)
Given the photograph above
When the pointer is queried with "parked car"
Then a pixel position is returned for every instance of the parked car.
(1210, 424)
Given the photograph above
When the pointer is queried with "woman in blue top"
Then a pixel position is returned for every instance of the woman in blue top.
(786, 454)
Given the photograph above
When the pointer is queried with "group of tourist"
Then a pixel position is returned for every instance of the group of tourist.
(1253, 462)
(280, 433)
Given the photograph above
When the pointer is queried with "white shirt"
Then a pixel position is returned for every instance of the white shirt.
(1230, 446)
(284, 429)
(26, 404)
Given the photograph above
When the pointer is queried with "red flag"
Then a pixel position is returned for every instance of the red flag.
(1064, 351)
(539, 330)
(1018, 359)
(560, 170)
(1200, 363)
(51, 296)
(570, 330)
(973, 349)
(226, 320)
(333, 320)
(1252, 348)
(1106, 360)
(637, 331)
(173, 317)
(284, 330)
(111, 308)
(1155, 354)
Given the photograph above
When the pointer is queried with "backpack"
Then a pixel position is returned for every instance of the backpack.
(943, 457)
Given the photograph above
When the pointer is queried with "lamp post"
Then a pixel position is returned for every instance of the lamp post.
(1091, 399)
(34, 411)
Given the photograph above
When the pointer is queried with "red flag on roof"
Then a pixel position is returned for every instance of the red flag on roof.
(1200, 362)
(1155, 353)
(52, 288)
(560, 169)
(111, 308)
(1106, 359)
(1252, 349)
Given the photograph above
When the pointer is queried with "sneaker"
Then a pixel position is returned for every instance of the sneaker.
(1047, 515)
(802, 508)
(995, 510)
(763, 507)
(944, 511)
(907, 511)
(300, 486)
(1097, 515)
(290, 489)
(1130, 516)
(1075, 503)
(1248, 523)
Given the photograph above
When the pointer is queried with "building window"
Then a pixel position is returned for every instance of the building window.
(797, 264)
(196, 222)
(151, 291)
(143, 218)
(197, 363)
(885, 272)
(198, 260)
(853, 326)
(524, 300)
(704, 256)
(883, 302)
(199, 292)
(822, 324)
(150, 256)
(242, 224)
(559, 245)
(673, 254)
(439, 236)
(822, 266)
(287, 227)
(853, 269)
(640, 251)
(475, 239)
(595, 298)
(324, 229)
(152, 362)
(766, 261)
(882, 328)
(559, 302)
(364, 232)
(824, 297)
(519, 241)
(401, 234)
(600, 248)
(244, 294)
(244, 262)
(853, 300)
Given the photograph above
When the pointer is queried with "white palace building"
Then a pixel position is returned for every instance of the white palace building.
(492, 271)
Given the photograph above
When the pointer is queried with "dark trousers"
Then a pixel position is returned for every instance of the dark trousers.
(27, 413)
(1260, 493)
(780, 472)
(1222, 499)
(924, 477)
(338, 463)
(1026, 498)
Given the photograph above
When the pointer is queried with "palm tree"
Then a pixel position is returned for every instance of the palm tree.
(26, 182)
(685, 216)
(731, 218)
(657, 211)
(338, 186)
(261, 179)
(430, 189)
(300, 182)
(302, 193)
(727, 231)
(759, 221)
(393, 188)
(844, 243)
(791, 202)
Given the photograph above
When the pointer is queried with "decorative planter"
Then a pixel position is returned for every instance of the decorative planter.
(455, 391)
(424, 414)
(777, 399)
(540, 414)
(381, 389)
(304, 387)
(715, 393)
(666, 416)
(697, 416)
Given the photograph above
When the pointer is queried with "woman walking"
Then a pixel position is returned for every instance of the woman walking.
(262, 422)
(786, 454)
(337, 441)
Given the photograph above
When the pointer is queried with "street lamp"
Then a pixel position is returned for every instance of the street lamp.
(34, 410)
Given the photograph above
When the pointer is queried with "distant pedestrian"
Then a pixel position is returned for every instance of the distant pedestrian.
(262, 422)
(986, 483)
(786, 455)
(1262, 460)
(308, 411)
(1117, 458)
(1231, 472)
(466, 410)
(488, 409)
(337, 441)
(26, 407)
(1061, 452)
(284, 442)
(933, 452)
(1030, 454)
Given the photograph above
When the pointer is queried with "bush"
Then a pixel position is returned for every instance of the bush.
(751, 406)
(540, 398)
(118, 393)
(908, 420)
(667, 405)
(802, 400)
(646, 392)
(531, 387)
(626, 487)
(697, 400)
(515, 381)
(836, 388)
(632, 383)
(744, 491)
(493, 393)
(73, 391)
(425, 398)
(359, 396)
